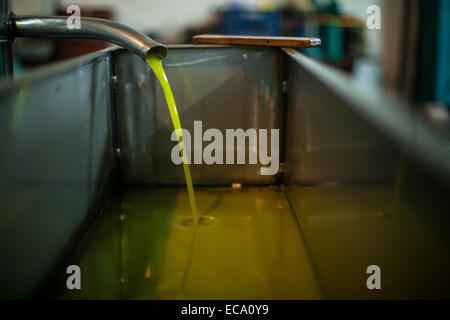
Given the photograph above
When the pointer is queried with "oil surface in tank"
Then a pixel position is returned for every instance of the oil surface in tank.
(141, 248)
(296, 242)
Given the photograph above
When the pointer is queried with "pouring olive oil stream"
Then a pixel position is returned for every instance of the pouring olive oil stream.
(155, 64)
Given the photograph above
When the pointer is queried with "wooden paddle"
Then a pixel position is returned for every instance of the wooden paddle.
(290, 42)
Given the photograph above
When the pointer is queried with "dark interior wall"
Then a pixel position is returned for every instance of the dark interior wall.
(433, 67)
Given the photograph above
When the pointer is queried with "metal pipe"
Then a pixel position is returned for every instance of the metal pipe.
(6, 60)
(6, 53)
(90, 28)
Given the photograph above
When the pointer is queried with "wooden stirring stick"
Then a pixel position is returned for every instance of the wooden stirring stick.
(289, 42)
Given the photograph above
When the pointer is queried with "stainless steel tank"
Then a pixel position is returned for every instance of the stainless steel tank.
(86, 179)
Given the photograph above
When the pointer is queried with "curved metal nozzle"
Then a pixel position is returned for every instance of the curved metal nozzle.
(90, 28)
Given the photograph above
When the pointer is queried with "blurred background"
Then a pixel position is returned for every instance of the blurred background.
(407, 56)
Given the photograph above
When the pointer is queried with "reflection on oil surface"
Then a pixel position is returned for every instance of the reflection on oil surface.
(348, 228)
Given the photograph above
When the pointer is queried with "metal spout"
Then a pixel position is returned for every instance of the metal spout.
(90, 28)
